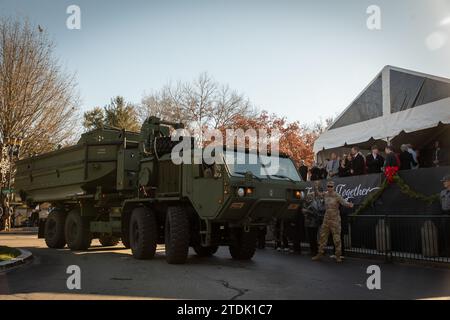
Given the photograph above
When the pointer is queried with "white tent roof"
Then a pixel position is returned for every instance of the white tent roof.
(389, 124)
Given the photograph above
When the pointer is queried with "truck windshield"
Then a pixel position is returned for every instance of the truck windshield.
(262, 167)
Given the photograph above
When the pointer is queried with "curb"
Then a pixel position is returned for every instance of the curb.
(17, 232)
(24, 257)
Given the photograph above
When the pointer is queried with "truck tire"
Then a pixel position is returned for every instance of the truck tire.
(126, 242)
(78, 235)
(205, 251)
(243, 245)
(177, 235)
(54, 230)
(108, 241)
(143, 233)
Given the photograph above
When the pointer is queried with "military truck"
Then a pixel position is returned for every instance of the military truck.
(114, 184)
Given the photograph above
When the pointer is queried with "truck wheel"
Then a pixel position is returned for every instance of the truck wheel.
(243, 245)
(205, 251)
(108, 241)
(177, 235)
(54, 230)
(143, 233)
(126, 242)
(78, 236)
(126, 231)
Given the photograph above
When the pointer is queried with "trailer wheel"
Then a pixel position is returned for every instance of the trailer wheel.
(54, 230)
(78, 235)
(177, 235)
(108, 241)
(205, 251)
(143, 233)
(243, 245)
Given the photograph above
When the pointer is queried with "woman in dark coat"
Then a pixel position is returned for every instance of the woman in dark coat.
(344, 168)
(406, 159)
(391, 159)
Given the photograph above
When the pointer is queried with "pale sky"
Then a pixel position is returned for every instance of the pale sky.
(302, 59)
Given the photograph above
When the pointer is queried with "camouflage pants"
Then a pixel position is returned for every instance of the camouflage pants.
(332, 226)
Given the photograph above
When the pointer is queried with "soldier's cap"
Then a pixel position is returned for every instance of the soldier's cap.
(330, 183)
(446, 178)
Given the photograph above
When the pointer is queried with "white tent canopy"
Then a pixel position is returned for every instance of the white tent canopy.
(396, 100)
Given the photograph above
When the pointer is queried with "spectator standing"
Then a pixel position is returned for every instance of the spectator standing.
(374, 161)
(406, 159)
(323, 170)
(414, 156)
(303, 170)
(332, 166)
(281, 237)
(2, 224)
(7, 216)
(344, 168)
(297, 232)
(315, 172)
(445, 195)
(358, 166)
(391, 160)
(312, 222)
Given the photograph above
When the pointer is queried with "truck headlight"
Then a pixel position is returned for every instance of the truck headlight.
(241, 192)
(297, 194)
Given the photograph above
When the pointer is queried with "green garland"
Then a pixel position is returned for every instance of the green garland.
(404, 188)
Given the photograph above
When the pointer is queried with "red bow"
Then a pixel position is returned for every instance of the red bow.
(390, 173)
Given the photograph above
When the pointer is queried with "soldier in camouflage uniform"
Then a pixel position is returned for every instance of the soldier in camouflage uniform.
(332, 220)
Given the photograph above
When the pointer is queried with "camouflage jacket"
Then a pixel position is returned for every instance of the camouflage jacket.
(332, 202)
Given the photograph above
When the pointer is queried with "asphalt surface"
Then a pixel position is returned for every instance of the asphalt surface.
(112, 273)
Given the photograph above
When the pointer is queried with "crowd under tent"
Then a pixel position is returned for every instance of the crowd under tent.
(399, 106)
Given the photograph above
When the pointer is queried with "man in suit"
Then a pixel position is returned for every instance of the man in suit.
(358, 163)
(374, 161)
(332, 166)
(445, 195)
(303, 170)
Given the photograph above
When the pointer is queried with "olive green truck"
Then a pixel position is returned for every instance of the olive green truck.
(118, 185)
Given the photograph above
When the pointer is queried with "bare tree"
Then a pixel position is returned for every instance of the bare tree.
(229, 104)
(166, 104)
(38, 100)
(201, 103)
(321, 126)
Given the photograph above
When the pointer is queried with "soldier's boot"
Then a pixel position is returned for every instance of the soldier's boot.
(338, 259)
(317, 257)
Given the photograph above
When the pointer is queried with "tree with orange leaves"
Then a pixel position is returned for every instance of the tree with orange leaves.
(296, 141)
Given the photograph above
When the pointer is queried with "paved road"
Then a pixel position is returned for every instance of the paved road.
(113, 274)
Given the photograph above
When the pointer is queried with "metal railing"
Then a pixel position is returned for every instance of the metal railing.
(399, 237)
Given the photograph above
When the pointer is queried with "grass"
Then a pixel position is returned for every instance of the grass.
(7, 253)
